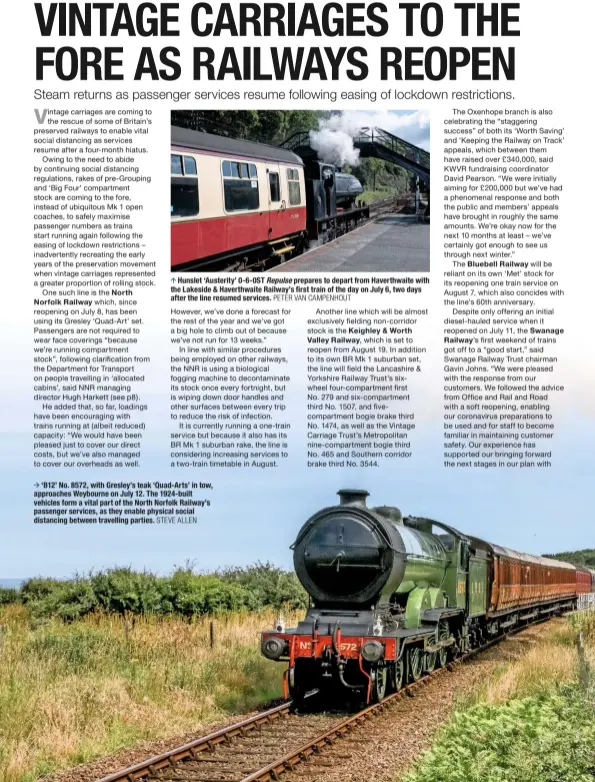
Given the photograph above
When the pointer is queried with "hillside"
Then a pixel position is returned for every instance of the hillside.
(585, 557)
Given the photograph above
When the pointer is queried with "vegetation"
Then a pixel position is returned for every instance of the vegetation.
(268, 127)
(535, 722)
(73, 691)
(379, 178)
(184, 593)
(94, 663)
(584, 557)
(9, 595)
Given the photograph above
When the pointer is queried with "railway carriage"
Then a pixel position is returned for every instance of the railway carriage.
(585, 580)
(233, 200)
(242, 205)
(393, 597)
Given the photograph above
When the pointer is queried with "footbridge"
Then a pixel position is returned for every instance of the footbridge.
(373, 142)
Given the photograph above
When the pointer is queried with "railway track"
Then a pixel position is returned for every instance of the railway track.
(376, 210)
(274, 742)
(387, 205)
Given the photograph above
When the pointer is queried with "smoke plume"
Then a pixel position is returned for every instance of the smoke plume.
(333, 141)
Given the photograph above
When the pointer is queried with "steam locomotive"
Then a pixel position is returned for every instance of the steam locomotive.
(394, 597)
(241, 205)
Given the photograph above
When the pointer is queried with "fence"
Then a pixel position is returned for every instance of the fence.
(586, 602)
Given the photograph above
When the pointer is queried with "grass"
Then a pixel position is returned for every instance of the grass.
(70, 692)
(534, 721)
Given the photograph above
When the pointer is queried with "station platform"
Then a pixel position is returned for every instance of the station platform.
(390, 243)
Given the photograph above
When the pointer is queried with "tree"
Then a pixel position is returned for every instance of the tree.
(269, 127)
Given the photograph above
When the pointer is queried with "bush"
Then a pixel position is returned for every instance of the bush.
(39, 588)
(270, 585)
(69, 600)
(9, 595)
(199, 594)
(548, 738)
(123, 591)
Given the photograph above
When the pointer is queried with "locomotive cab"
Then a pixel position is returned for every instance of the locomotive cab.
(321, 195)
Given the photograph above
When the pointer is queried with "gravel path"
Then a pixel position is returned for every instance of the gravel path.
(382, 752)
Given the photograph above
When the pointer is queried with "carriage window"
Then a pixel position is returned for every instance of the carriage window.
(240, 186)
(176, 164)
(184, 186)
(293, 182)
(189, 166)
(274, 186)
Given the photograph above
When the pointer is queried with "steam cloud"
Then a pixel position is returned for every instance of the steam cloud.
(333, 141)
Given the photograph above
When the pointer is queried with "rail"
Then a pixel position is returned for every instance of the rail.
(287, 763)
(147, 768)
(202, 748)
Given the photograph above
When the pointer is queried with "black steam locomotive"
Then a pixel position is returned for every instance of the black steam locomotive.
(330, 198)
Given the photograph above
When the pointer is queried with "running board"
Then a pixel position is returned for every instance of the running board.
(437, 647)
(510, 623)
(532, 615)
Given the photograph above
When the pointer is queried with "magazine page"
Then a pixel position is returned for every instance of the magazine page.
(297, 465)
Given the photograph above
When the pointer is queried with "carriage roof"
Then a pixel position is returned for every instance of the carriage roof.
(208, 142)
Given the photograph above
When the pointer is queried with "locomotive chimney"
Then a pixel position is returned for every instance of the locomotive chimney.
(353, 496)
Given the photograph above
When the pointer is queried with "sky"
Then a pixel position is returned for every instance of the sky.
(412, 126)
(334, 139)
(256, 514)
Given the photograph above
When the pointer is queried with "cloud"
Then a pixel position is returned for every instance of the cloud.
(411, 126)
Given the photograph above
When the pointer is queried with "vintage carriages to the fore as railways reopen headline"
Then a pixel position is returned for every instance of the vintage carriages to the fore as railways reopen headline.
(394, 597)
(239, 204)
